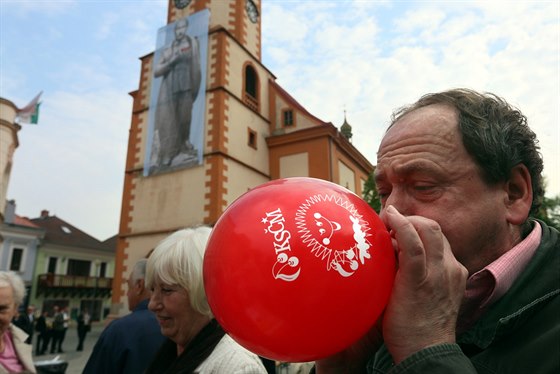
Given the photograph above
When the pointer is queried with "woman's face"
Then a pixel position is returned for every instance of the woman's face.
(177, 319)
(8, 308)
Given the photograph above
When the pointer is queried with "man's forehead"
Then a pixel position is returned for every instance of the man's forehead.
(430, 127)
(438, 109)
(402, 169)
(428, 117)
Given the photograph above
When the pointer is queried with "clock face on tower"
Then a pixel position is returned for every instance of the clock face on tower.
(180, 4)
(252, 11)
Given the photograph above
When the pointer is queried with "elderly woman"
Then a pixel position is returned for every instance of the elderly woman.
(15, 354)
(196, 342)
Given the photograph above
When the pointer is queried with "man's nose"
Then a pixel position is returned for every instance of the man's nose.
(398, 199)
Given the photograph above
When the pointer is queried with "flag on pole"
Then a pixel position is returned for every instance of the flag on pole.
(30, 112)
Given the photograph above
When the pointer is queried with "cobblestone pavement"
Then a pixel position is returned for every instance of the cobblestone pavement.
(76, 360)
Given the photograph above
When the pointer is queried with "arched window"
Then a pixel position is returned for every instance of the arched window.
(251, 94)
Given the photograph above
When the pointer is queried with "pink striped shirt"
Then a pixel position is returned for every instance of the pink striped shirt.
(489, 284)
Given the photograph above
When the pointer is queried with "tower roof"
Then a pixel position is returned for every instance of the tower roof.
(346, 129)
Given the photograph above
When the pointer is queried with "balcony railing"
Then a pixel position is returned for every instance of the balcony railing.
(73, 286)
(251, 101)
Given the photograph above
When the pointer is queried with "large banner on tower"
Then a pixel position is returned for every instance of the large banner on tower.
(177, 98)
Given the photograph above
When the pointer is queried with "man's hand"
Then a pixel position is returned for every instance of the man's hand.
(428, 288)
(427, 293)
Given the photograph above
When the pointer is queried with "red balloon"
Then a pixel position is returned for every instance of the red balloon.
(297, 269)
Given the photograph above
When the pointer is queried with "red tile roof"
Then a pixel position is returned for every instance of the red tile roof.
(61, 232)
(24, 221)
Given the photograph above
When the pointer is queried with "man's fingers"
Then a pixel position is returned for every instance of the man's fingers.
(412, 256)
(432, 238)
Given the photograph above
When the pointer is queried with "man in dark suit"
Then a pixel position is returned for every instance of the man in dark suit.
(43, 333)
(25, 321)
(129, 343)
(84, 326)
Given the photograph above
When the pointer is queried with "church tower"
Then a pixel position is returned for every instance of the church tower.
(245, 130)
(8, 143)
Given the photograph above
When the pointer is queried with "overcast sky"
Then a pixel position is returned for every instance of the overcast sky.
(365, 57)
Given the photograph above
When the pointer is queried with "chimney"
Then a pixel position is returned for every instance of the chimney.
(10, 211)
(44, 213)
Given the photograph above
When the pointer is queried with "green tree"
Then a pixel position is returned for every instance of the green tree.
(370, 194)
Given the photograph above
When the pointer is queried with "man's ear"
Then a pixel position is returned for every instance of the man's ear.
(140, 286)
(519, 192)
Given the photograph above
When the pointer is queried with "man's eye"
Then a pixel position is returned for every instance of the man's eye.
(427, 191)
(423, 188)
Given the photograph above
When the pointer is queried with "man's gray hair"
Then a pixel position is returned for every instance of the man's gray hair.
(139, 270)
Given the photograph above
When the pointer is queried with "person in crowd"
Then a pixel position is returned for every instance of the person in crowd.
(84, 326)
(43, 333)
(196, 342)
(26, 322)
(15, 354)
(476, 290)
(57, 330)
(60, 322)
(129, 343)
(65, 325)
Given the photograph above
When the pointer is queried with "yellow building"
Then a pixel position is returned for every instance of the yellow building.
(253, 132)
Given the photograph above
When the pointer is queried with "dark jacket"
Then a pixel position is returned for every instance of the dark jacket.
(127, 345)
(83, 327)
(24, 323)
(520, 333)
(41, 325)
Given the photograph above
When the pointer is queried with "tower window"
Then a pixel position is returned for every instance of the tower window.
(251, 81)
(252, 138)
(251, 94)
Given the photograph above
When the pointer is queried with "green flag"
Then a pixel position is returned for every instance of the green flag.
(35, 115)
(30, 112)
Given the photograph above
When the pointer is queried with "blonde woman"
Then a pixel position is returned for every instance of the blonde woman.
(196, 342)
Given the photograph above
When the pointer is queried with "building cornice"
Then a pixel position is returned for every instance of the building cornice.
(326, 130)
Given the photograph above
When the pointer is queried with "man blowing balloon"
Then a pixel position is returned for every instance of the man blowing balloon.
(477, 289)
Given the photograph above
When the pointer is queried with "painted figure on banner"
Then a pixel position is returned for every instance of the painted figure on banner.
(178, 69)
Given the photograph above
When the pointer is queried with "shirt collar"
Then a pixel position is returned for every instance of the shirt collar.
(492, 282)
